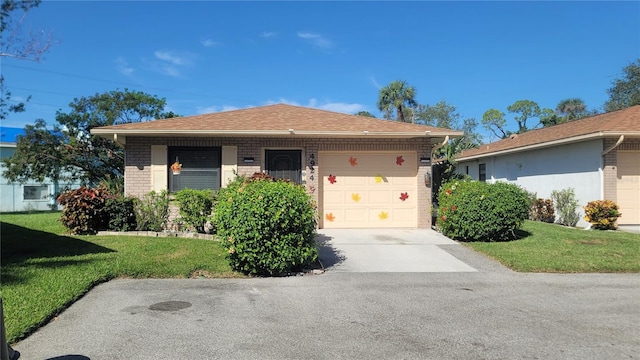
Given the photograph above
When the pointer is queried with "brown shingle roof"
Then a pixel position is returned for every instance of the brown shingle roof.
(272, 118)
(623, 122)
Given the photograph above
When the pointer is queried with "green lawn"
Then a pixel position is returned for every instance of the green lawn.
(43, 271)
(554, 248)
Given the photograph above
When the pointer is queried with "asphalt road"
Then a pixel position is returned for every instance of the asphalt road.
(488, 314)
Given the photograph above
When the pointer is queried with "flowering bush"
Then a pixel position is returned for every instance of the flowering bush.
(542, 210)
(478, 211)
(268, 226)
(602, 214)
(83, 210)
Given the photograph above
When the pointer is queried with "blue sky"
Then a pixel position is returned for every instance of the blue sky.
(213, 56)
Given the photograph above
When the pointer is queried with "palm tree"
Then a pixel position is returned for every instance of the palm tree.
(396, 96)
(571, 109)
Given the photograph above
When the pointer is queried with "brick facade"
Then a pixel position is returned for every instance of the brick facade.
(138, 159)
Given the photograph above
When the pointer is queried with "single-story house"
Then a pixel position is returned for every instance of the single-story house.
(362, 171)
(599, 157)
(32, 195)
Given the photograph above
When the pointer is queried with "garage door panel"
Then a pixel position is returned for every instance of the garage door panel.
(354, 198)
(404, 181)
(354, 181)
(356, 216)
(369, 189)
(333, 198)
(379, 197)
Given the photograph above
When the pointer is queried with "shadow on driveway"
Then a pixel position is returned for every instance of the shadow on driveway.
(329, 255)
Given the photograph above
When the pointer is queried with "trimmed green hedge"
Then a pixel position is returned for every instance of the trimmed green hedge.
(267, 226)
(479, 211)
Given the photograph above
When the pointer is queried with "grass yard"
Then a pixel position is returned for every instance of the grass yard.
(43, 272)
(554, 248)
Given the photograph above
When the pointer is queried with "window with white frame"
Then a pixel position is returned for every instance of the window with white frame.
(200, 168)
(35, 192)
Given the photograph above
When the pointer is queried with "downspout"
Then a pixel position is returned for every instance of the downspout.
(119, 142)
(446, 140)
(608, 150)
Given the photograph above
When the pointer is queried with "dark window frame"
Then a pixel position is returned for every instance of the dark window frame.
(482, 172)
(191, 168)
(294, 174)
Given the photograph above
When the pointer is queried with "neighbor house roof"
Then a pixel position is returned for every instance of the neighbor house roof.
(274, 120)
(9, 135)
(614, 124)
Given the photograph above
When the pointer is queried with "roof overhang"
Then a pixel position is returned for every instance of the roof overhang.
(120, 136)
(574, 139)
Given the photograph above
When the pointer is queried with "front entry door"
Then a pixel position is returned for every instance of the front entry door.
(284, 164)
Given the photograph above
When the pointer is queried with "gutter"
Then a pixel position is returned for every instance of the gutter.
(596, 135)
(119, 135)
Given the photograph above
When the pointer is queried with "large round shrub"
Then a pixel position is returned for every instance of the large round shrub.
(478, 211)
(267, 226)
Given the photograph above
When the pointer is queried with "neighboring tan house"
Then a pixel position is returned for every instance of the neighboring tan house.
(599, 157)
(363, 172)
(31, 195)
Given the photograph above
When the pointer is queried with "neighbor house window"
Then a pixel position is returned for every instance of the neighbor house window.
(482, 172)
(200, 168)
(36, 192)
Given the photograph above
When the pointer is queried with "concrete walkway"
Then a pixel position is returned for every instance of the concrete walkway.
(388, 250)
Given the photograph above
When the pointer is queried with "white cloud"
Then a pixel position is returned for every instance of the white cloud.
(171, 63)
(181, 59)
(209, 43)
(316, 39)
(215, 108)
(340, 107)
(329, 106)
(268, 34)
(167, 70)
(123, 66)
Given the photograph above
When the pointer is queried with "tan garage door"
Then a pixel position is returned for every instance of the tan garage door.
(628, 186)
(368, 189)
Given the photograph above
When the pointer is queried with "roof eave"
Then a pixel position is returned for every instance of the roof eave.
(569, 140)
(110, 133)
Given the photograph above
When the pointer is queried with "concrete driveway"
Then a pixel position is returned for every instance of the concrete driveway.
(397, 294)
(476, 315)
(388, 250)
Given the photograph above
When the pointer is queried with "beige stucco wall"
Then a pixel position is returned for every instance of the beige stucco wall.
(138, 175)
(610, 161)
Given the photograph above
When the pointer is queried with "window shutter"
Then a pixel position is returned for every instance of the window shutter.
(159, 167)
(229, 164)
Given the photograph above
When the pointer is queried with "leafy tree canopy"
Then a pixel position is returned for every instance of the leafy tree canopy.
(524, 109)
(625, 92)
(396, 97)
(494, 120)
(365, 113)
(70, 152)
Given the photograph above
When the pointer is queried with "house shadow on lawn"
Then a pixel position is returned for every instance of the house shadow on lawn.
(20, 244)
(328, 255)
